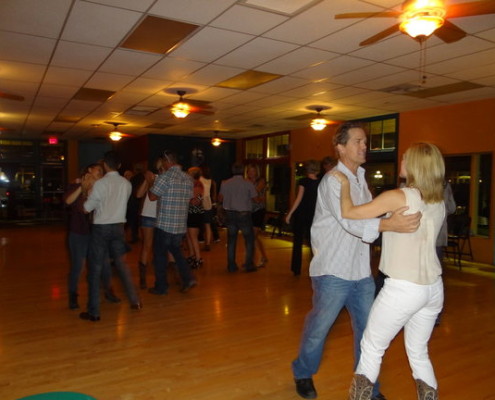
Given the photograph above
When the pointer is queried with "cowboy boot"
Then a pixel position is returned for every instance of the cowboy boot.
(426, 392)
(142, 276)
(361, 388)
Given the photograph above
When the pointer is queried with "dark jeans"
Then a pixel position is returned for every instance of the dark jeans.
(239, 220)
(107, 240)
(164, 242)
(78, 250)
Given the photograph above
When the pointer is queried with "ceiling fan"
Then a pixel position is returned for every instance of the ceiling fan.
(10, 96)
(182, 108)
(115, 134)
(434, 13)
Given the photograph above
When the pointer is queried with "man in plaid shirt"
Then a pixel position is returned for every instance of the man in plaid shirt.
(173, 189)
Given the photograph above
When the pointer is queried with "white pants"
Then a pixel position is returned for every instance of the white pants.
(402, 304)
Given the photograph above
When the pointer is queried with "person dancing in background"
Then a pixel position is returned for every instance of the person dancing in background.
(412, 295)
(148, 220)
(302, 212)
(258, 211)
(195, 219)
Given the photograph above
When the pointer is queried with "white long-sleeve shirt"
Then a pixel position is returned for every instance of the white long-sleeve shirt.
(109, 198)
(341, 246)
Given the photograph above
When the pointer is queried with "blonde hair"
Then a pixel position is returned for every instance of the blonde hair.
(425, 171)
(195, 172)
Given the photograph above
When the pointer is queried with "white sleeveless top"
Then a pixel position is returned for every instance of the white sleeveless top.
(412, 256)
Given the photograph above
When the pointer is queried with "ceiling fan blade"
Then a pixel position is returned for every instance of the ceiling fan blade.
(10, 96)
(471, 9)
(380, 35)
(449, 32)
(382, 14)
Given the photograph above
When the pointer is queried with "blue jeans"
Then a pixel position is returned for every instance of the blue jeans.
(107, 240)
(239, 220)
(164, 242)
(330, 295)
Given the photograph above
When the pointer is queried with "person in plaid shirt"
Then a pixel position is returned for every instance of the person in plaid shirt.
(173, 189)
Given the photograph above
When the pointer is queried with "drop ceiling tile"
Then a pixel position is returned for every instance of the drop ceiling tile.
(25, 48)
(146, 86)
(475, 23)
(214, 94)
(63, 92)
(487, 81)
(127, 62)
(392, 47)
(212, 74)
(409, 76)
(81, 56)
(97, 24)
(300, 58)
(475, 72)
(196, 11)
(23, 72)
(66, 76)
(488, 34)
(247, 20)
(468, 95)
(141, 5)
(243, 97)
(105, 81)
(333, 68)
(43, 18)
(280, 86)
(463, 63)
(173, 69)
(210, 43)
(446, 51)
(365, 74)
(312, 89)
(25, 89)
(315, 23)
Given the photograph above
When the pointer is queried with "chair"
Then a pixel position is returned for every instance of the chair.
(459, 235)
(278, 224)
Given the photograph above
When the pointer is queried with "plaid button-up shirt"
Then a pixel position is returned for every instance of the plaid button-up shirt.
(174, 189)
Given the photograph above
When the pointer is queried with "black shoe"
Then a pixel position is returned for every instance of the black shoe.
(305, 388)
(110, 296)
(379, 396)
(88, 317)
(189, 286)
(136, 306)
(156, 291)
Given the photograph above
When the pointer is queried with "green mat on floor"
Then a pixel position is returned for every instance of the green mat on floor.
(58, 396)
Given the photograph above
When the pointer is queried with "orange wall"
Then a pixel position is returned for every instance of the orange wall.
(456, 129)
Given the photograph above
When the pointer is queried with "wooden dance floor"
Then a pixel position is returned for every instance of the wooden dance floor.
(232, 337)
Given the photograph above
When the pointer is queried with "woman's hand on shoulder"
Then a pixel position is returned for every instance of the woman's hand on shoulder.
(340, 176)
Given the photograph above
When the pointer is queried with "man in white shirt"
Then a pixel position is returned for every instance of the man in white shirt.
(340, 269)
(108, 199)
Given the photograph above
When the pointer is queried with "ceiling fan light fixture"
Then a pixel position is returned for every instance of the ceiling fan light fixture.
(216, 141)
(181, 110)
(318, 124)
(422, 17)
(115, 135)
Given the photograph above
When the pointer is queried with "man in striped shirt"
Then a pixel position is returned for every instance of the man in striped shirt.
(173, 189)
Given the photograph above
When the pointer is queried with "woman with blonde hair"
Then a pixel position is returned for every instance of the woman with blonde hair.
(412, 295)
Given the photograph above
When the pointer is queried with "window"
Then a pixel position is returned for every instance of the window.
(278, 146)
(469, 174)
(382, 133)
(271, 154)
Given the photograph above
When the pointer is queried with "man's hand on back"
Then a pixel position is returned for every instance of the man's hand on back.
(400, 222)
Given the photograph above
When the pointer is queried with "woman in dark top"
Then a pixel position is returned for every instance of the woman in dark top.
(79, 226)
(302, 212)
